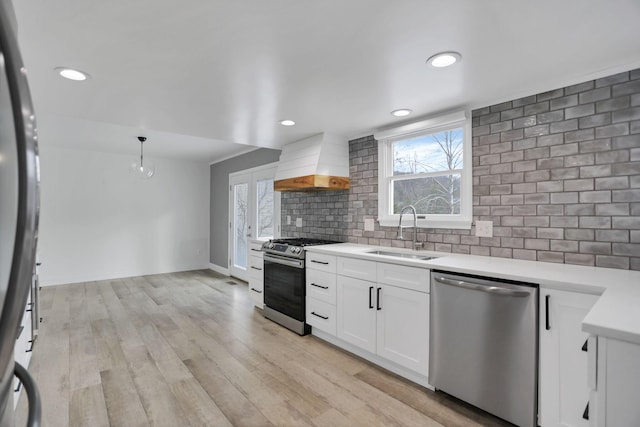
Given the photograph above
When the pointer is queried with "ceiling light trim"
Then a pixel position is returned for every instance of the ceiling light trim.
(72, 74)
(444, 59)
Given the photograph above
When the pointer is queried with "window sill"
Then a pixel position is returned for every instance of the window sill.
(407, 221)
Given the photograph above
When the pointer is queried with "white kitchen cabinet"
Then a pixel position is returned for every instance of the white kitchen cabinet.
(321, 287)
(356, 312)
(390, 321)
(403, 327)
(256, 273)
(563, 387)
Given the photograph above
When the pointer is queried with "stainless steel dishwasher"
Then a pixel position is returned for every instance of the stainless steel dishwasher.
(483, 346)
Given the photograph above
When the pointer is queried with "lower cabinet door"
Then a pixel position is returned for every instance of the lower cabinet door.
(321, 315)
(403, 327)
(356, 305)
(564, 390)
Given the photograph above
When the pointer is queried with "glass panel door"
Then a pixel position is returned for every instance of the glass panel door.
(254, 212)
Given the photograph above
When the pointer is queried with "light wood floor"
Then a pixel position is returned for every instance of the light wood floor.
(189, 349)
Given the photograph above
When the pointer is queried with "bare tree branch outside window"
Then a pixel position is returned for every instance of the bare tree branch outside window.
(427, 172)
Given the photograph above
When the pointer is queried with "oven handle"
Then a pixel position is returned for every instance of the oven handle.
(284, 261)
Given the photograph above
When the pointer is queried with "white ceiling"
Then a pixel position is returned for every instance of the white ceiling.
(206, 79)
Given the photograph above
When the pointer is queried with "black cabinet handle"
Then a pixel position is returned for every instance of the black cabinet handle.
(585, 346)
(585, 414)
(255, 290)
(319, 286)
(17, 389)
(319, 262)
(319, 315)
(30, 349)
(370, 296)
(546, 311)
(256, 268)
(378, 299)
(256, 250)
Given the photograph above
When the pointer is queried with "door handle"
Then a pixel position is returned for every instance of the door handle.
(585, 414)
(547, 326)
(319, 315)
(496, 290)
(378, 299)
(370, 296)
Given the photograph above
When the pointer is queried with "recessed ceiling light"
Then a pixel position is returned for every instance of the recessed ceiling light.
(401, 112)
(72, 74)
(444, 59)
(287, 122)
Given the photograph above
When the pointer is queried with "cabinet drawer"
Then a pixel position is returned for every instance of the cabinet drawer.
(358, 268)
(321, 315)
(255, 248)
(321, 285)
(403, 276)
(256, 261)
(321, 262)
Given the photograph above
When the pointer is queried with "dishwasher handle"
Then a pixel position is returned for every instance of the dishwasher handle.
(495, 290)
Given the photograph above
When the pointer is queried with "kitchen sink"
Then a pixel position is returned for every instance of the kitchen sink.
(403, 255)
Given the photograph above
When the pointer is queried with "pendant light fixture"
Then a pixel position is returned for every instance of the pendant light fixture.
(142, 168)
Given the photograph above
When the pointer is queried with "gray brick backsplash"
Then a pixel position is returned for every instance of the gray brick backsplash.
(545, 256)
(612, 261)
(595, 145)
(540, 107)
(612, 236)
(613, 104)
(610, 80)
(631, 141)
(612, 209)
(597, 248)
(558, 173)
(595, 197)
(579, 259)
(618, 129)
(564, 102)
(564, 245)
(580, 111)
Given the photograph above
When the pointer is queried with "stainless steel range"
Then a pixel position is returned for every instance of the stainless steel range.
(284, 281)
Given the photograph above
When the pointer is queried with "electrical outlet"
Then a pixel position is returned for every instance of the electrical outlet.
(484, 228)
(288, 219)
(368, 224)
(298, 222)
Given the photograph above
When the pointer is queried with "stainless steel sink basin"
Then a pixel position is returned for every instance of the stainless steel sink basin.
(402, 255)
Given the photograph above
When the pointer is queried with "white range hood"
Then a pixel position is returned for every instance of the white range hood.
(317, 163)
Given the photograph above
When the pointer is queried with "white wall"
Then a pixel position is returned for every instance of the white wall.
(97, 221)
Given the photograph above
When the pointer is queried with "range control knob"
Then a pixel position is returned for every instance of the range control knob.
(298, 250)
(271, 245)
(292, 249)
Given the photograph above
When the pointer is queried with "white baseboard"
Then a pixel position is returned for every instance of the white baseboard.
(219, 269)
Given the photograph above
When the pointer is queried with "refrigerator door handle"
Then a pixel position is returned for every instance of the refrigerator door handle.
(33, 396)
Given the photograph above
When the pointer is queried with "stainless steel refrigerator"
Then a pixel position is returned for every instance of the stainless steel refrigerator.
(19, 206)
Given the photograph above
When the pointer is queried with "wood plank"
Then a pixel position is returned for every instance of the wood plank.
(88, 408)
(123, 404)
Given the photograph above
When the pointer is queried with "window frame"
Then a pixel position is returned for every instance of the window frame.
(441, 123)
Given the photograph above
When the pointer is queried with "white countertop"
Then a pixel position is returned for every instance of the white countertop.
(615, 315)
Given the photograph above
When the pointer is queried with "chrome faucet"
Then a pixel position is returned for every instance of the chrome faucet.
(416, 244)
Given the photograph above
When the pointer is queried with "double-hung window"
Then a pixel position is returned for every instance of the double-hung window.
(427, 165)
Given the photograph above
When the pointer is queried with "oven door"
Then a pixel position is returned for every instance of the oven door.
(284, 286)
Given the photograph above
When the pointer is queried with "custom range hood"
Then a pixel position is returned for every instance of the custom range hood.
(317, 163)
